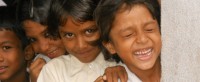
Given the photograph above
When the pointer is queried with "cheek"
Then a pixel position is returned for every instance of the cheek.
(16, 61)
(93, 38)
(157, 40)
(68, 45)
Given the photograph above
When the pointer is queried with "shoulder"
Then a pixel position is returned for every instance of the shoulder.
(59, 62)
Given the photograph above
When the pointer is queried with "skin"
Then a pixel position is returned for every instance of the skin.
(141, 39)
(112, 74)
(40, 40)
(159, 1)
(78, 39)
(12, 61)
(42, 43)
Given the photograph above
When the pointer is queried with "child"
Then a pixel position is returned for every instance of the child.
(129, 28)
(12, 43)
(73, 19)
(33, 14)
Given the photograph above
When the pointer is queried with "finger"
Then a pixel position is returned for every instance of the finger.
(37, 62)
(122, 74)
(108, 74)
(37, 65)
(115, 77)
(99, 79)
(125, 74)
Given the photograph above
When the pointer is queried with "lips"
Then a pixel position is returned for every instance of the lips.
(144, 54)
(3, 69)
(52, 54)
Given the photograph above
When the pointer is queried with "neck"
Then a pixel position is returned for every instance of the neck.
(21, 76)
(150, 75)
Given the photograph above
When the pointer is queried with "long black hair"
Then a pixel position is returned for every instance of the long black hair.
(34, 10)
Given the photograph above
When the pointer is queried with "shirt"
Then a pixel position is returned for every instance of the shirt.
(131, 76)
(68, 68)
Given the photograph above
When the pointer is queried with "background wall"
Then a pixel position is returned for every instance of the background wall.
(180, 23)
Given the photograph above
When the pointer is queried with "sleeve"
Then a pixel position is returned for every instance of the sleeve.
(48, 74)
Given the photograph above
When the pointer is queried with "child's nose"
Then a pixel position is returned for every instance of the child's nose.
(1, 58)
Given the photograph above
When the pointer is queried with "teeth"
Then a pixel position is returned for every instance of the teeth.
(142, 52)
(53, 52)
(3, 67)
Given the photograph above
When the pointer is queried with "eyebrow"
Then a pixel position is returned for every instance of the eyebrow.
(129, 27)
(124, 29)
(6, 42)
(149, 22)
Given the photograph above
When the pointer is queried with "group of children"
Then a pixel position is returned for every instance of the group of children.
(84, 39)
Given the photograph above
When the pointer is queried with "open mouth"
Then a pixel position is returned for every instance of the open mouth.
(3, 69)
(144, 54)
(52, 54)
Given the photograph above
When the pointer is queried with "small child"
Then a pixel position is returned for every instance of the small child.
(12, 44)
(130, 29)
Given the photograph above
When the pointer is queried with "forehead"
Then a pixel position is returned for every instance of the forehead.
(72, 25)
(32, 28)
(133, 14)
(8, 36)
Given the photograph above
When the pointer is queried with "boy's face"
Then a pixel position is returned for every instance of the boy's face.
(135, 37)
(11, 55)
(80, 38)
(40, 40)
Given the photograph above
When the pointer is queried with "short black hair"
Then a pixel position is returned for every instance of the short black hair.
(79, 10)
(8, 22)
(106, 11)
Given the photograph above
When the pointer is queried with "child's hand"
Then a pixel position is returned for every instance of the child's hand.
(35, 68)
(100, 79)
(112, 74)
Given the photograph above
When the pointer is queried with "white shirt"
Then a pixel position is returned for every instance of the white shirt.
(2, 3)
(68, 68)
(131, 76)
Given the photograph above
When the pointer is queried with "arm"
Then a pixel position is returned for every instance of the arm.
(112, 74)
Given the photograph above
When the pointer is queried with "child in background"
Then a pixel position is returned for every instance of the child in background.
(32, 15)
(12, 48)
(130, 29)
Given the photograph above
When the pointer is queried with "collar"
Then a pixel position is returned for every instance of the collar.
(77, 66)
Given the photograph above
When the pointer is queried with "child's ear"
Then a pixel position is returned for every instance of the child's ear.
(109, 46)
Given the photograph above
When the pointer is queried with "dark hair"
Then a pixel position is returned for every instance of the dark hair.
(79, 10)
(105, 15)
(8, 22)
(35, 10)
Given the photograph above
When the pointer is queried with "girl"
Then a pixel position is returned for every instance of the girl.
(72, 20)
(33, 17)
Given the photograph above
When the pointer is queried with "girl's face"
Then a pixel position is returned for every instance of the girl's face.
(41, 41)
(135, 37)
(80, 39)
(12, 61)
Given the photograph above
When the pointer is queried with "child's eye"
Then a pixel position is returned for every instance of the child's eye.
(46, 35)
(31, 40)
(90, 31)
(128, 35)
(6, 47)
(149, 30)
(69, 35)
